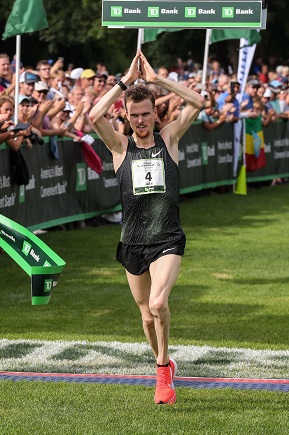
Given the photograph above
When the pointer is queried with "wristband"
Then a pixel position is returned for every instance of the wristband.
(122, 85)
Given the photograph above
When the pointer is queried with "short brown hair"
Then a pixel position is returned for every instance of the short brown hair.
(138, 93)
(6, 99)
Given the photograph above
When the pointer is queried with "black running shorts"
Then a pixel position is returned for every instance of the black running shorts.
(137, 258)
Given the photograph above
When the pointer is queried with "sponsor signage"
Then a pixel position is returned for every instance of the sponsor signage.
(184, 14)
(42, 264)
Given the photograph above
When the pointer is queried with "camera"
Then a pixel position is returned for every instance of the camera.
(35, 139)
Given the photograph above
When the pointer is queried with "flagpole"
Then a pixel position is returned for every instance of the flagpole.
(17, 71)
(140, 39)
(206, 55)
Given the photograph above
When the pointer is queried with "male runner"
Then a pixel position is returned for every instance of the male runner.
(152, 240)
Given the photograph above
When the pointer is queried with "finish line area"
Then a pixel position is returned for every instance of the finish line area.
(280, 385)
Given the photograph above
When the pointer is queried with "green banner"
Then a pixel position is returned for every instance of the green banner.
(184, 14)
(42, 264)
(206, 158)
(67, 190)
(59, 191)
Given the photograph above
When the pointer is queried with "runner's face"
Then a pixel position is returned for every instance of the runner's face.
(141, 117)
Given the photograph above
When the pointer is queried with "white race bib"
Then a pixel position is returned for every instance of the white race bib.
(148, 176)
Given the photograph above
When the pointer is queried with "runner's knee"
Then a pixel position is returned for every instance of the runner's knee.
(158, 305)
(148, 321)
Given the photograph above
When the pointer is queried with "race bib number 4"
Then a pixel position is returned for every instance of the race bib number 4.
(148, 176)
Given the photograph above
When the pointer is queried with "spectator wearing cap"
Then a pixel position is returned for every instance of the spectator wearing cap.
(43, 69)
(40, 102)
(12, 138)
(263, 106)
(266, 99)
(87, 78)
(26, 114)
(75, 76)
(278, 99)
(24, 103)
(65, 120)
(40, 91)
(27, 81)
(249, 95)
(45, 110)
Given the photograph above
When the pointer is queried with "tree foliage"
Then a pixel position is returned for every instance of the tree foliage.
(75, 32)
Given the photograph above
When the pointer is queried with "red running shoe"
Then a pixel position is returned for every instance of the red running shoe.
(165, 390)
(174, 367)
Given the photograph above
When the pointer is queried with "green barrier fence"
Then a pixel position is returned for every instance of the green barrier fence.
(67, 190)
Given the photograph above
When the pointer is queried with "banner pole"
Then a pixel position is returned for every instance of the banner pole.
(140, 39)
(17, 71)
(206, 55)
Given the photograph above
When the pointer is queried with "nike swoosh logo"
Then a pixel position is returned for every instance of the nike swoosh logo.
(166, 250)
(156, 154)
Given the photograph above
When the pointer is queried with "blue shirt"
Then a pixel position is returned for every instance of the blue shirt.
(250, 104)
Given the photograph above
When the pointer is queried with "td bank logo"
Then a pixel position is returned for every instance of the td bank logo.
(205, 153)
(80, 177)
(21, 194)
(46, 264)
(48, 285)
(190, 12)
(228, 12)
(153, 12)
(26, 248)
(116, 11)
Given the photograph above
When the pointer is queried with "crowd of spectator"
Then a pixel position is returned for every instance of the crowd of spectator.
(55, 101)
(50, 89)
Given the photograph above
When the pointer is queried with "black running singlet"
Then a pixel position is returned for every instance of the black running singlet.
(149, 192)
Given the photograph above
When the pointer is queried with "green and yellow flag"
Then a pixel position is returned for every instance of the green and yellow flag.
(255, 151)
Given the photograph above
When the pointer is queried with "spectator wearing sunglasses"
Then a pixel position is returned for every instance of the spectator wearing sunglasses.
(250, 95)
(99, 84)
